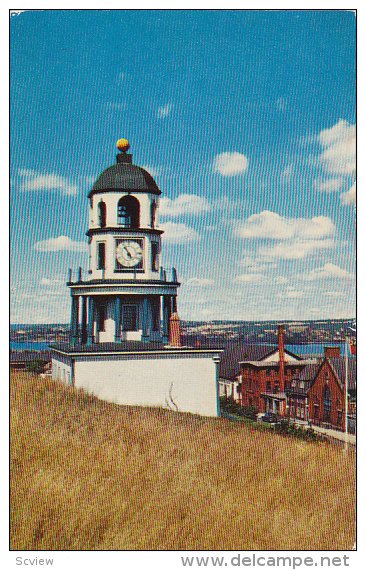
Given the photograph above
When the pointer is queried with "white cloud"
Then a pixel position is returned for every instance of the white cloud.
(164, 111)
(198, 282)
(281, 280)
(249, 278)
(330, 185)
(297, 249)
(281, 104)
(48, 282)
(252, 264)
(175, 232)
(328, 271)
(115, 106)
(271, 225)
(35, 181)
(60, 243)
(184, 204)
(288, 171)
(291, 293)
(334, 294)
(230, 163)
(350, 196)
(338, 143)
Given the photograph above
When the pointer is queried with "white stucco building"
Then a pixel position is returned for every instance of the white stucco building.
(125, 343)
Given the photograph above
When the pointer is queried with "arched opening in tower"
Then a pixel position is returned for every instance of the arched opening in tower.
(128, 212)
(102, 214)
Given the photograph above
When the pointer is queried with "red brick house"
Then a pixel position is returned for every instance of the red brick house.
(326, 392)
(263, 380)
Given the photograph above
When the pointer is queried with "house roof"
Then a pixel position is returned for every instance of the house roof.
(309, 373)
(339, 367)
(237, 352)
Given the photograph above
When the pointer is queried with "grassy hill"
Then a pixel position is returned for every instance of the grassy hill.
(86, 474)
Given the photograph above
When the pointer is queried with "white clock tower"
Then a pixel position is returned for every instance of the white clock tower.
(127, 295)
(125, 334)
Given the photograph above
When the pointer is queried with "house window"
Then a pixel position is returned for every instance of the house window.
(129, 317)
(339, 417)
(316, 411)
(101, 255)
(102, 214)
(154, 256)
(327, 403)
(268, 386)
(268, 372)
(128, 212)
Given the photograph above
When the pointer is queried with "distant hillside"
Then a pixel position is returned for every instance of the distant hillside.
(86, 474)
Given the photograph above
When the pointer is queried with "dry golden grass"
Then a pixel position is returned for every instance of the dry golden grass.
(86, 474)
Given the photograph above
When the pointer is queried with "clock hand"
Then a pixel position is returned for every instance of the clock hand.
(128, 253)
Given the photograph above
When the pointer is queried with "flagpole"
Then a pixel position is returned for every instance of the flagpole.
(346, 392)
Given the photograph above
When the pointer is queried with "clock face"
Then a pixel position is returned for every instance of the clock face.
(129, 253)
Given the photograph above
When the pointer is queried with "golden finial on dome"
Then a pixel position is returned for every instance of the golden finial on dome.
(123, 145)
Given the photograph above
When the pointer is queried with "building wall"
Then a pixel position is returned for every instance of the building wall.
(256, 381)
(180, 383)
(62, 371)
(316, 398)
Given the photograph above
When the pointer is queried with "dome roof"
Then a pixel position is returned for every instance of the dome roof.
(125, 176)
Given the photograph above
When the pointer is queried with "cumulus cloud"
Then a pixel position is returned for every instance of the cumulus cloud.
(164, 111)
(338, 155)
(198, 282)
(176, 232)
(230, 163)
(281, 104)
(271, 225)
(60, 243)
(328, 271)
(48, 282)
(280, 280)
(291, 294)
(334, 294)
(295, 249)
(36, 181)
(288, 171)
(350, 196)
(184, 204)
(249, 278)
(330, 185)
(255, 265)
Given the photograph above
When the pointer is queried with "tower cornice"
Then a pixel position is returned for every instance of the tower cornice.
(120, 230)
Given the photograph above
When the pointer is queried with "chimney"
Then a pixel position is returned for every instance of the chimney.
(281, 352)
(332, 351)
(174, 331)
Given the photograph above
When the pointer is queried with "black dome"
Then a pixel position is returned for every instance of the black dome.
(126, 177)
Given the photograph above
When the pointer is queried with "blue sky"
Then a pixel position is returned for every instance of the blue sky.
(245, 118)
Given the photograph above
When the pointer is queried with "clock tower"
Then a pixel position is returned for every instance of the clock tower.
(126, 294)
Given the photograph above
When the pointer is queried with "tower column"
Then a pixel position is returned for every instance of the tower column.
(74, 319)
(145, 328)
(84, 334)
(91, 311)
(117, 320)
(166, 317)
